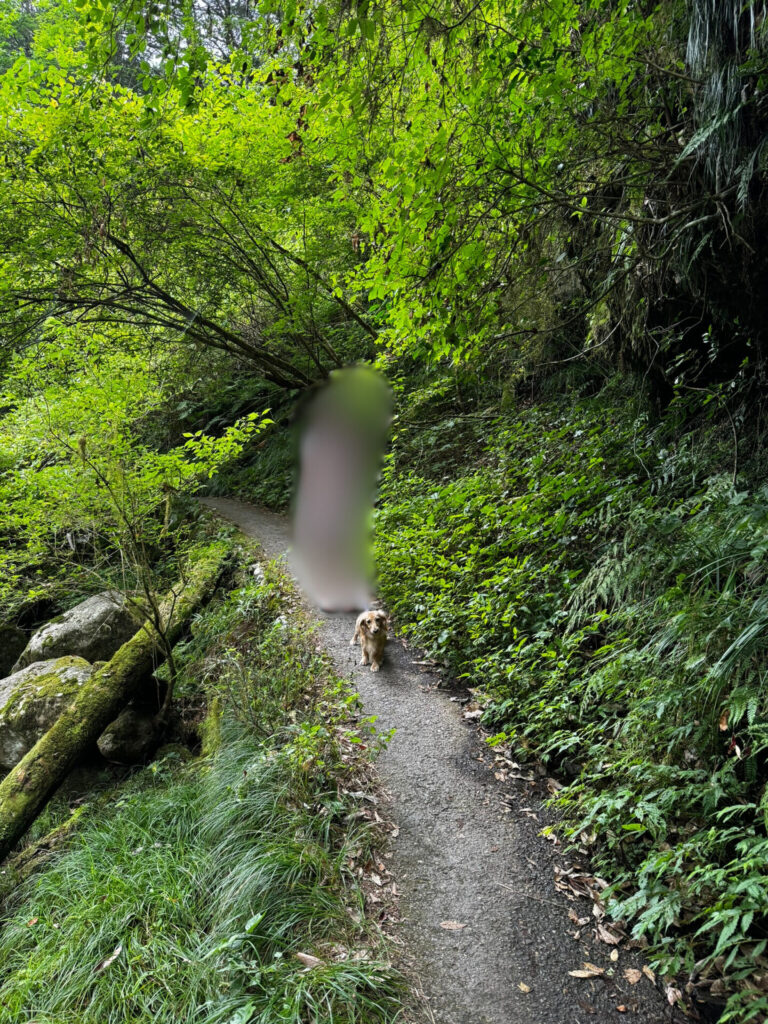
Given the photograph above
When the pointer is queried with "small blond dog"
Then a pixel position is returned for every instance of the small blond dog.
(371, 631)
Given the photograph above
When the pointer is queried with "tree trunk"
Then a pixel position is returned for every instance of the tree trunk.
(25, 791)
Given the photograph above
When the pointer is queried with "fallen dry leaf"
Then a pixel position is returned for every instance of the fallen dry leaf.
(31, 921)
(592, 967)
(649, 973)
(673, 994)
(452, 926)
(308, 960)
(614, 955)
(621, 1008)
(608, 936)
(108, 960)
(588, 970)
(580, 884)
(472, 715)
(523, 987)
(632, 975)
(580, 921)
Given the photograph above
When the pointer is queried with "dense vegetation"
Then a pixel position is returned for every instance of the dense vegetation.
(597, 575)
(545, 223)
(227, 888)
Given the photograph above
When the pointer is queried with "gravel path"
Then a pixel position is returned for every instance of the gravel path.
(469, 851)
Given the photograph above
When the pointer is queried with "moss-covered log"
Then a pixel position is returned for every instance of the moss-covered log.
(35, 854)
(25, 791)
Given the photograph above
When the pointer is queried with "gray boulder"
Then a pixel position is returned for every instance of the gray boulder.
(93, 629)
(12, 642)
(132, 738)
(32, 699)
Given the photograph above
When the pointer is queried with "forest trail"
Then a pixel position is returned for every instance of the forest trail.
(468, 851)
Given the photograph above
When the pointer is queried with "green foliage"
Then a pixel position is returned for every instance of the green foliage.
(500, 187)
(467, 547)
(17, 27)
(607, 598)
(189, 896)
(266, 477)
(293, 182)
(190, 900)
(255, 654)
(80, 486)
(195, 225)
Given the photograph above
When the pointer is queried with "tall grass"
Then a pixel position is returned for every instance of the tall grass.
(190, 900)
(186, 900)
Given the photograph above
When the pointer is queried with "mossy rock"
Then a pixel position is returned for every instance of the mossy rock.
(93, 629)
(32, 699)
(210, 728)
(173, 752)
(132, 738)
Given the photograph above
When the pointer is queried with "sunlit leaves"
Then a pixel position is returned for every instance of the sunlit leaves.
(78, 459)
(207, 223)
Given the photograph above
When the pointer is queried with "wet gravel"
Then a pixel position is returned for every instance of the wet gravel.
(469, 851)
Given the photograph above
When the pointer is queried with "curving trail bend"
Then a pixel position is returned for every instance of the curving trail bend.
(469, 851)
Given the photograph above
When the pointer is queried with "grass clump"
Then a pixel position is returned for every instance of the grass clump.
(189, 899)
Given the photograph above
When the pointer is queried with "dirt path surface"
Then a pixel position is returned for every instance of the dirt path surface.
(469, 851)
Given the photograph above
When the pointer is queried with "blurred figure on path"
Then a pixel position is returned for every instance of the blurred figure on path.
(341, 447)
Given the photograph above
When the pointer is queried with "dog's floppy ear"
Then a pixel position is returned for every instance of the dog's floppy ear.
(383, 619)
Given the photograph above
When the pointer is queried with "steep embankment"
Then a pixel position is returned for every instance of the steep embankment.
(469, 853)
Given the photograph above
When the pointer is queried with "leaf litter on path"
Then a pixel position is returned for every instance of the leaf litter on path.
(587, 970)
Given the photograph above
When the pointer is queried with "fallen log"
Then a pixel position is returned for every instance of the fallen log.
(35, 854)
(25, 791)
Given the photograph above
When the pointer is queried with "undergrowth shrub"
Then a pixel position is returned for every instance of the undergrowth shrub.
(226, 890)
(255, 652)
(190, 901)
(264, 477)
(602, 582)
